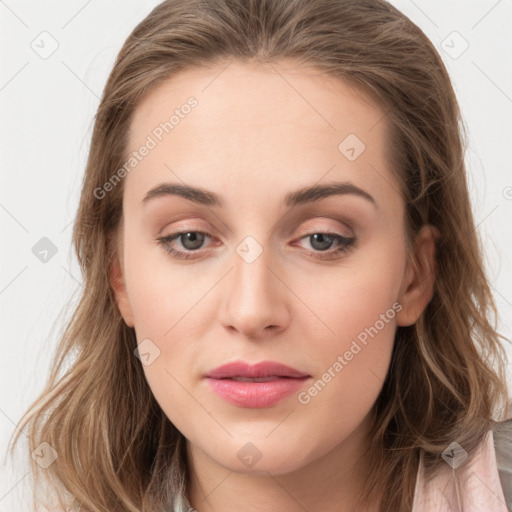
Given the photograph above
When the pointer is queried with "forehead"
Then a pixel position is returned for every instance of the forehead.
(256, 125)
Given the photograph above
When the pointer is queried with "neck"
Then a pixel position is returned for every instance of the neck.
(332, 482)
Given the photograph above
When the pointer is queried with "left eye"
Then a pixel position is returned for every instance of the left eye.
(324, 241)
(192, 241)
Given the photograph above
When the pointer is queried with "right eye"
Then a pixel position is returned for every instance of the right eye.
(191, 241)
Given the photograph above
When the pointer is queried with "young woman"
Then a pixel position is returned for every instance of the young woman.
(285, 305)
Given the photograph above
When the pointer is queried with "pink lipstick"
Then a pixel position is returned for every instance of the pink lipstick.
(256, 386)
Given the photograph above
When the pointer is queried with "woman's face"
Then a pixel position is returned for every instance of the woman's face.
(295, 255)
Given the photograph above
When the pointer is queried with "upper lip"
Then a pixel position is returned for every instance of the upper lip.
(263, 369)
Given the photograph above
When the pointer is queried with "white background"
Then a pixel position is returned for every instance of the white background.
(47, 108)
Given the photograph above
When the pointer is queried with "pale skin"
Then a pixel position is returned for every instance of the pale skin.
(252, 139)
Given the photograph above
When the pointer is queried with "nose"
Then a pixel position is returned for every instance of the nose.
(255, 298)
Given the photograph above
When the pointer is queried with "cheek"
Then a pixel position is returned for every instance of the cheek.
(357, 338)
(356, 295)
(358, 308)
(170, 319)
(352, 366)
(160, 291)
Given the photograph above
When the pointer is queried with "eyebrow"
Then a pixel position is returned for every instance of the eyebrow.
(297, 197)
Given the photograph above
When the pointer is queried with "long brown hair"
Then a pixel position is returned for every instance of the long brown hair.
(117, 451)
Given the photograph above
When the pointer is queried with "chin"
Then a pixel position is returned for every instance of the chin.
(261, 457)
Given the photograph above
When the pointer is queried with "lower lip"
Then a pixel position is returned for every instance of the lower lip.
(256, 395)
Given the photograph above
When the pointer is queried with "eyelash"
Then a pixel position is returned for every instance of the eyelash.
(347, 244)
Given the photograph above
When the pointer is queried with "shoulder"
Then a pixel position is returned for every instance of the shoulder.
(502, 435)
(488, 468)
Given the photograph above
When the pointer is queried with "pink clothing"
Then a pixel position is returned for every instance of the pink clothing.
(447, 492)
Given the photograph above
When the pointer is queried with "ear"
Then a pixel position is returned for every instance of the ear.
(418, 284)
(119, 286)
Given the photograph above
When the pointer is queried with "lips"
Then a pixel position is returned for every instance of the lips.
(255, 386)
(265, 369)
